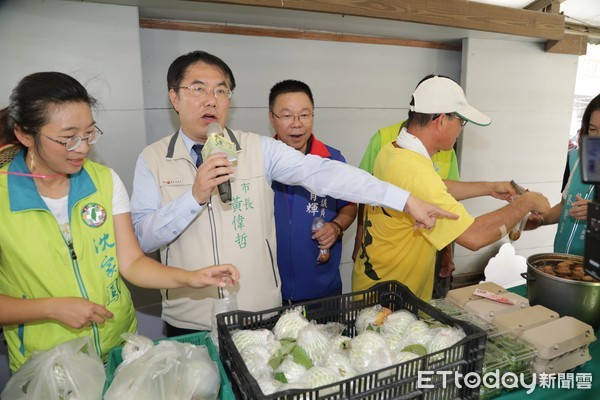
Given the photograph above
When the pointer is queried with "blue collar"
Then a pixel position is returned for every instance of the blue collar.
(23, 194)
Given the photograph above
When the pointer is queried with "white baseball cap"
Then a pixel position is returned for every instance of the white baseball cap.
(439, 95)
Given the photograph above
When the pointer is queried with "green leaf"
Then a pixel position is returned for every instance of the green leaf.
(418, 349)
(370, 327)
(286, 347)
(300, 357)
(280, 376)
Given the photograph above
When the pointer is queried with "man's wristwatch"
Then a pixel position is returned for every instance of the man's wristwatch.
(340, 229)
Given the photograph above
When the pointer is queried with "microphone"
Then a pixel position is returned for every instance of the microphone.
(216, 142)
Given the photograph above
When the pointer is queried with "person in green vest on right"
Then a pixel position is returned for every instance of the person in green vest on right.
(571, 212)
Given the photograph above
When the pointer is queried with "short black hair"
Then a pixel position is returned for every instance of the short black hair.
(289, 86)
(180, 65)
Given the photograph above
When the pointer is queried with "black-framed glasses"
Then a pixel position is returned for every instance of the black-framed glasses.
(304, 117)
(203, 91)
(463, 121)
(74, 142)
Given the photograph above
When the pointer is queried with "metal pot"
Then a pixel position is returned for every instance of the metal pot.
(578, 299)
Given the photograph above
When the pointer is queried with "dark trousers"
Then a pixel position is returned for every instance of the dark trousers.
(441, 286)
(175, 331)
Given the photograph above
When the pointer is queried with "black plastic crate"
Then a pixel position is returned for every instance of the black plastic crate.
(396, 382)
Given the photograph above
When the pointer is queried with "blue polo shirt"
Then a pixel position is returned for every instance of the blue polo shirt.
(302, 278)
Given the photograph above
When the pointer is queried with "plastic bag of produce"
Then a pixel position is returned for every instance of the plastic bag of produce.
(314, 340)
(397, 322)
(72, 370)
(169, 370)
(247, 337)
(289, 324)
(135, 346)
(257, 358)
(369, 351)
(371, 318)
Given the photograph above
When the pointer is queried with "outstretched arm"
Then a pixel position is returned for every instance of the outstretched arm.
(323, 176)
(467, 190)
(536, 220)
(494, 225)
(146, 272)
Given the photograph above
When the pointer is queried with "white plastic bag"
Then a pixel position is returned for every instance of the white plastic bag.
(169, 370)
(135, 346)
(222, 305)
(70, 371)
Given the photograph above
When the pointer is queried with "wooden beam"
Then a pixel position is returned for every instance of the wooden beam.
(592, 32)
(461, 14)
(549, 6)
(151, 23)
(573, 43)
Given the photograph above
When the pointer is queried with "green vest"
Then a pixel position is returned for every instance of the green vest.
(570, 232)
(37, 262)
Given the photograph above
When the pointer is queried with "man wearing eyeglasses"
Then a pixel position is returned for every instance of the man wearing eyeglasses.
(446, 165)
(308, 261)
(390, 247)
(176, 207)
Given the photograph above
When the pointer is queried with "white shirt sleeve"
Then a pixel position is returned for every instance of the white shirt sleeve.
(323, 176)
(155, 224)
(120, 201)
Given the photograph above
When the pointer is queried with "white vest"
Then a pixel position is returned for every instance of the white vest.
(241, 233)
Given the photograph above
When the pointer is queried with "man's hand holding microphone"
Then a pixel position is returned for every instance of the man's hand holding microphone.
(218, 155)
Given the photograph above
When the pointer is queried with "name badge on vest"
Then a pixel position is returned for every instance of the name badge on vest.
(172, 181)
(93, 214)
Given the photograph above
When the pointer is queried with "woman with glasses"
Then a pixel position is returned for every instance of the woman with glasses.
(571, 212)
(66, 237)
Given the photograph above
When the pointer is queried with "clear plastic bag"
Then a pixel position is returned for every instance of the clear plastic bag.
(70, 371)
(135, 346)
(318, 224)
(225, 304)
(169, 370)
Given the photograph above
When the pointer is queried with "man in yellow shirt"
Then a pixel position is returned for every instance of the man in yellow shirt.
(391, 249)
(446, 165)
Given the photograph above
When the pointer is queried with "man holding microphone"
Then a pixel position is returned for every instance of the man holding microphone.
(175, 208)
